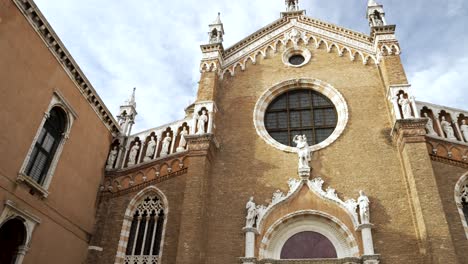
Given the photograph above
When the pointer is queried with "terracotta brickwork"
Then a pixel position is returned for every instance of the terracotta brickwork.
(409, 178)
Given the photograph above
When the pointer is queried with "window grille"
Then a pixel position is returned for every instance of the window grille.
(144, 242)
(46, 145)
(301, 112)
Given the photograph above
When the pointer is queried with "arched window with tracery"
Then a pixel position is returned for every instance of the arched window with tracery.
(461, 199)
(146, 230)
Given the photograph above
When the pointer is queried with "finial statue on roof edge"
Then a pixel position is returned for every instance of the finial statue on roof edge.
(292, 5)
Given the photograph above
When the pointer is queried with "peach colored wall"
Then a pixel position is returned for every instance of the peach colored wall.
(29, 74)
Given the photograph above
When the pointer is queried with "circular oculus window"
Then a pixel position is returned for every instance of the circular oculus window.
(300, 112)
(300, 107)
(296, 57)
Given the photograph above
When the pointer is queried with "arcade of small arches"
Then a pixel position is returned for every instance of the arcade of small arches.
(159, 143)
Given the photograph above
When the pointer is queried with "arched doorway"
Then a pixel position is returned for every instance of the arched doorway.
(12, 237)
(308, 245)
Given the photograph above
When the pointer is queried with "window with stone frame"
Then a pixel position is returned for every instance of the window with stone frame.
(301, 112)
(144, 242)
(44, 154)
(464, 201)
(46, 145)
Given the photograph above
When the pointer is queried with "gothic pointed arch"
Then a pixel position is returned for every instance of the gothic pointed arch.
(143, 228)
(461, 199)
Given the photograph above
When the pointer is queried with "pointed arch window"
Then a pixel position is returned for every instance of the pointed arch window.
(146, 229)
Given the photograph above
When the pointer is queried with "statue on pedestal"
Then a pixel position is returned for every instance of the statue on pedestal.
(405, 107)
(251, 213)
(202, 120)
(112, 157)
(364, 213)
(133, 154)
(448, 129)
(182, 141)
(150, 148)
(464, 130)
(302, 151)
(166, 144)
(430, 126)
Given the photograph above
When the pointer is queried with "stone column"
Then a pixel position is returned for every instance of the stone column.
(457, 128)
(210, 122)
(250, 233)
(22, 250)
(173, 147)
(140, 152)
(396, 108)
(415, 108)
(367, 241)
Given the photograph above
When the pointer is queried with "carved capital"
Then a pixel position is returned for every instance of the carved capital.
(250, 230)
(409, 131)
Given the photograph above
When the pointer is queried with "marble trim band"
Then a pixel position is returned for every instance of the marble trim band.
(458, 192)
(317, 85)
(308, 220)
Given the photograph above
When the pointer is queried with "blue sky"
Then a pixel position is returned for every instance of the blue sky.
(154, 45)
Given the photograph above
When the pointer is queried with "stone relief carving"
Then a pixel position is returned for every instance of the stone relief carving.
(303, 151)
(150, 149)
(464, 130)
(133, 154)
(430, 126)
(202, 120)
(112, 157)
(448, 129)
(166, 144)
(405, 107)
(294, 35)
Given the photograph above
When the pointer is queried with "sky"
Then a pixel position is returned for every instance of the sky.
(154, 45)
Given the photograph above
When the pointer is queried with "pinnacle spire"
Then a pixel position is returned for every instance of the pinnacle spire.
(131, 100)
(216, 31)
(372, 3)
(218, 20)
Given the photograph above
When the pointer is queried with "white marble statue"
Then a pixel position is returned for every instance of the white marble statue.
(202, 120)
(430, 126)
(303, 151)
(448, 129)
(464, 130)
(364, 213)
(251, 213)
(150, 149)
(132, 157)
(112, 157)
(182, 141)
(405, 107)
(166, 143)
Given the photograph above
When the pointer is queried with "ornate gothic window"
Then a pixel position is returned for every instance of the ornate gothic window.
(300, 112)
(461, 199)
(46, 145)
(146, 229)
(464, 201)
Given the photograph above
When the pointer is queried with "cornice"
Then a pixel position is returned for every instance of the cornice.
(37, 20)
(328, 27)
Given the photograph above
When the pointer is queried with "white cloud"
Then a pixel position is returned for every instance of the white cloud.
(154, 45)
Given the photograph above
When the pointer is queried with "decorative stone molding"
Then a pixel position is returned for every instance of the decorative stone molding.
(123, 181)
(400, 98)
(30, 221)
(452, 153)
(287, 54)
(409, 131)
(326, 89)
(461, 195)
(57, 100)
(57, 48)
(309, 220)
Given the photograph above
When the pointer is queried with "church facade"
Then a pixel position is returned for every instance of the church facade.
(304, 145)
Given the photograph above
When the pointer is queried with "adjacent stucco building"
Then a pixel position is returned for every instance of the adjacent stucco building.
(304, 145)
